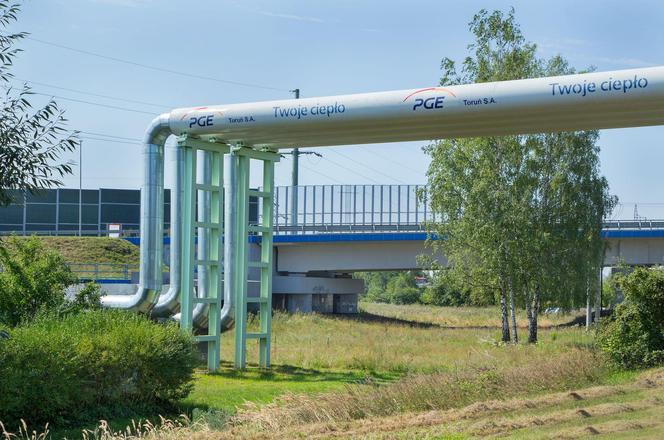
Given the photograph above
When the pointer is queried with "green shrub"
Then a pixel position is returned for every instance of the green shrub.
(402, 289)
(441, 294)
(85, 366)
(87, 298)
(634, 337)
(390, 287)
(32, 279)
(405, 295)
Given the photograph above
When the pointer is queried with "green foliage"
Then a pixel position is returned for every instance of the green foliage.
(444, 290)
(98, 364)
(88, 298)
(32, 279)
(405, 295)
(520, 213)
(611, 294)
(390, 287)
(634, 337)
(375, 285)
(403, 290)
(32, 139)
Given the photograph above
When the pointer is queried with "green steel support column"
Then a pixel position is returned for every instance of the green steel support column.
(210, 255)
(240, 160)
(188, 237)
(241, 256)
(214, 254)
(266, 265)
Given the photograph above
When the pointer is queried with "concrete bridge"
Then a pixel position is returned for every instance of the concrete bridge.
(354, 252)
(323, 233)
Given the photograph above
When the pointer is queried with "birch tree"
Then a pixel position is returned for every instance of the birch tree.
(520, 215)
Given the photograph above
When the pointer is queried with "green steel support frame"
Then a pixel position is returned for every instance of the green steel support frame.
(211, 253)
(195, 225)
(241, 159)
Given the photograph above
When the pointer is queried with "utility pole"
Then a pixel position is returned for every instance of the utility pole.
(295, 176)
(80, 189)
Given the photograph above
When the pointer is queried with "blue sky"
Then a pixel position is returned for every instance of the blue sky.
(323, 48)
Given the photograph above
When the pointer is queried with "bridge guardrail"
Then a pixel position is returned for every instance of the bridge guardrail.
(318, 228)
(308, 209)
(103, 271)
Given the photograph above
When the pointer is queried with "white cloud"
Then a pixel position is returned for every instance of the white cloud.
(630, 62)
(125, 3)
(561, 44)
(291, 16)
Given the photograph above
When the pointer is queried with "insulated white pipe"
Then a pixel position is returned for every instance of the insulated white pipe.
(624, 98)
(169, 303)
(231, 164)
(152, 223)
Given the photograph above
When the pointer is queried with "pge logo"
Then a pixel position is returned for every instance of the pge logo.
(431, 103)
(201, 121)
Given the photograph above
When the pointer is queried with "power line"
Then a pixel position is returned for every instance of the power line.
(87, 138)
(131, 101)
(109, 136)
(320, 174)
(348, 169)
(81, 101)
(114, 107)
(155, 68)
(380, 156)
(366, 166)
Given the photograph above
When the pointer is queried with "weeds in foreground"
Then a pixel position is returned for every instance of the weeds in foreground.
(165, 429)
(426, 392)
(24, 433)
(413, 394)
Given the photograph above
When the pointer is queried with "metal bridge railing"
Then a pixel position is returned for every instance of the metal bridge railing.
(309, 209)
(103, 271)
(72, 233)
(333, 208)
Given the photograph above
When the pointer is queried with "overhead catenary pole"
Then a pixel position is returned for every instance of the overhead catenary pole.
(80, 189)
(295, 175)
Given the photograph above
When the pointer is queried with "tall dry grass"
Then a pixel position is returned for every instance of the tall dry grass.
(577, 367)
(459, 317)
(341, 343)
(166, 429)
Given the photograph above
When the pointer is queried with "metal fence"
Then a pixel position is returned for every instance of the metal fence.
(56, 212)
(304, 209)
(311, 209)
(330, 208)
(103, 271)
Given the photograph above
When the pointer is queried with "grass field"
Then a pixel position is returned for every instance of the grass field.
(230, 389)
(351, 343)
(629, 409)
(460, 317)
(402, 372)
(105, 257)
(93, 249)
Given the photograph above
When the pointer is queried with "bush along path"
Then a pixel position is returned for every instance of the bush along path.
(634, 337)
(89, 366)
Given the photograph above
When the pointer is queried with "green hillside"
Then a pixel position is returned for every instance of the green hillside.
(94, 249)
